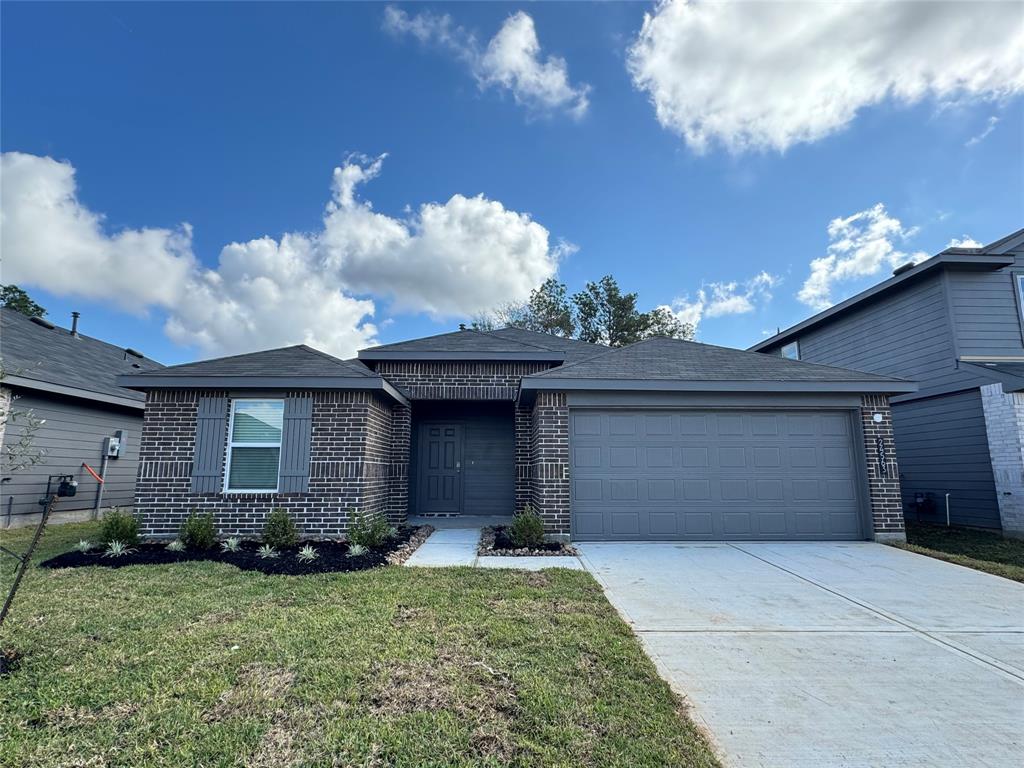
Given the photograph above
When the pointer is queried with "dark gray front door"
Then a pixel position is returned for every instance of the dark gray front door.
(714, 474)
(440, 470)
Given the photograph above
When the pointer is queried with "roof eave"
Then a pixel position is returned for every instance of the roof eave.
(538, 356)
(677, 385)
(82, 394)
(145, 382)
(963, 262)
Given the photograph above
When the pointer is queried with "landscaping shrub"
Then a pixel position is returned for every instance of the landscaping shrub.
(280, 531)
(119, 525)
(367, 530)
(198, 531)
(527, 529)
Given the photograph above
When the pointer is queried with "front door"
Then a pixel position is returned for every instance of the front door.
(440, 470)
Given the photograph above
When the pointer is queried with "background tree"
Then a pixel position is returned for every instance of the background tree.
(601, 314)
(14, 297)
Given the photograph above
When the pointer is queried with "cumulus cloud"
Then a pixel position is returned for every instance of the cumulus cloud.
(511, 60)
(964, 242)
(721, 299)
(756, 76)
(859, 246)
(452, 258)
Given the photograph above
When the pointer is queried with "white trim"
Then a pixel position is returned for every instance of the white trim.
(232, 445)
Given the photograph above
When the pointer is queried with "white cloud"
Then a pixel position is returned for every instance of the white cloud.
(721, 299)
(964, 242)
(859, 246)
(990, 125)
(754, 76)
(511, 60)
(450, 259)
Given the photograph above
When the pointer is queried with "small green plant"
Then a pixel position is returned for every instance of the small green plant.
(527, 529)
(267, 552)
(198, 530)
(83, 546)
(307, 554)
(280, 530)
(357, 550)
(119, 525)
(117, 549)
(231, 544)
(392, 532)
(369, 530)
(176, 546)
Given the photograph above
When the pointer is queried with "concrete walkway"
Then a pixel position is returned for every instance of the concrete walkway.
(810, 655)
(455, 542)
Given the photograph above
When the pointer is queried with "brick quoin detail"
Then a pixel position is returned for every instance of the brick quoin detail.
(351, 467)
(884, 489)
(549, 464)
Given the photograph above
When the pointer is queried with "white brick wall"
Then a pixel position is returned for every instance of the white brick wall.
(1004, 423)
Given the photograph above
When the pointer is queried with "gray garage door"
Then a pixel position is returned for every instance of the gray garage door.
(657, 474)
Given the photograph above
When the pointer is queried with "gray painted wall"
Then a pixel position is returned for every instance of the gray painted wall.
(488, 455)
(941, 447)
(73, 433)
(985, 313)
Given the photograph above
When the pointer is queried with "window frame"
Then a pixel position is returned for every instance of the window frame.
(232, 444)
(795, 344)
(1018, 293)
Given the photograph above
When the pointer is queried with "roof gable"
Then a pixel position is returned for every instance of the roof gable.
(469, 344)
(298, 360)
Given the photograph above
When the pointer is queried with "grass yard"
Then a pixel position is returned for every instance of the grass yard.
(981, 550)
(201, 664)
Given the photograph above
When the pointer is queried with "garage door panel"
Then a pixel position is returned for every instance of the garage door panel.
(713, 475)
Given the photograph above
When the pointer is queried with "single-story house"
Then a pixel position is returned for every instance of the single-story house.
(68, 381)
(663, 439)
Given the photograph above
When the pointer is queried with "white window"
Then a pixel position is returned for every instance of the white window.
(1020, 294)
(254, 445)
(791, 350)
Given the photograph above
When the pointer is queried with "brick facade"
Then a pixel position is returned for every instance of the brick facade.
(351, 467)
(883, 475)
(457, 380)
(1004, 428)
(549, 462)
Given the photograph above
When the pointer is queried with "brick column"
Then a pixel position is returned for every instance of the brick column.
(524, 449)
(1004, 427)
(883, 472)
(401, 441)
(549, 462)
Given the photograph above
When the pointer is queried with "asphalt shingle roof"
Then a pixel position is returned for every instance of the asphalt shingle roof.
(54, 356)
(298, 360)
(662, 359)
(501, 341)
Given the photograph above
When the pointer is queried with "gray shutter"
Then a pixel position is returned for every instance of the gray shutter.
(295, 444)
(208, 459)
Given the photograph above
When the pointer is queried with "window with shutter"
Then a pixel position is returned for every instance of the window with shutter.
(254, 446)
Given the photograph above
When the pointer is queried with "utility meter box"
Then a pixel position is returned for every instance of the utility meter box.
(115, 445)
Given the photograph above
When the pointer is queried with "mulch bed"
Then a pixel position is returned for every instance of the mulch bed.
(497, 542)
(333, 556)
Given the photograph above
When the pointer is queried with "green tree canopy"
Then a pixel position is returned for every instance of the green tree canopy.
(14, 297)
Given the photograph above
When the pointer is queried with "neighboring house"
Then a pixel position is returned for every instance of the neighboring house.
(662, 439)
(954, 324)
(69, 381)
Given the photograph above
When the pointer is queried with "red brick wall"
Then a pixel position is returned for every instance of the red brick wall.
(883, 482)
(350, 467)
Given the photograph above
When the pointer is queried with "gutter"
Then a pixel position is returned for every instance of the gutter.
(82, 394)
(549, 383)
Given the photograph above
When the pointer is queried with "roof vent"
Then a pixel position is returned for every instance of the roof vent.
(903, 268)
(133, 352)
(43, 322)
(74, 323)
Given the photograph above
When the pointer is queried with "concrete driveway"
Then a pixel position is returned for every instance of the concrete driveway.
(838, 654)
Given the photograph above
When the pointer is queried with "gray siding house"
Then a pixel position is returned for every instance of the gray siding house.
(68, 381)
(660, 440)
(955, 324)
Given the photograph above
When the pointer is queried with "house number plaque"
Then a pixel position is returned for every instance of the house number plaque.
(882, 465)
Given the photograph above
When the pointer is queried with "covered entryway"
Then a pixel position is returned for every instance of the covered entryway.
(463, 458)
(714, 474)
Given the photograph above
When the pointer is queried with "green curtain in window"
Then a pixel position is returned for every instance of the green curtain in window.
(254, 469)
(258, 421)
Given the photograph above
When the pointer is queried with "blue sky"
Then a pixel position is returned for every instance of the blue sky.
(232, 118)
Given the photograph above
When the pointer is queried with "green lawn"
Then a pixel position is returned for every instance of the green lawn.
(201, 664)
(981, 550)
